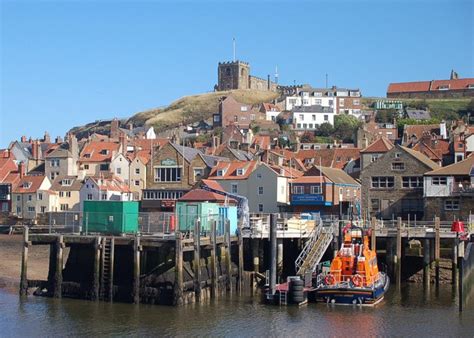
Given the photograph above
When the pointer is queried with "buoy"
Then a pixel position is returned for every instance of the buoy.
(333, 301)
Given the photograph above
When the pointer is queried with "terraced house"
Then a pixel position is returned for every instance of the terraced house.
(392, 186)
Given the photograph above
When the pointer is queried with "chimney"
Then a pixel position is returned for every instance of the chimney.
(114, 126)
(46, 138)
(21, 169)
(59, 140)
(23, 139)
(123, 143)
(35, 150)
(73, 147)
(130, 126)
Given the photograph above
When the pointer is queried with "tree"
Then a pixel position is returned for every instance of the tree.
(325, 129)
(345, 127)
(307, 137)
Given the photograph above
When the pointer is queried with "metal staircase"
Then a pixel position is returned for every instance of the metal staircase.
(314, 249)
(107, 270)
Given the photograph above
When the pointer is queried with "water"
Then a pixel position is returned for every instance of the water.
(409, 313)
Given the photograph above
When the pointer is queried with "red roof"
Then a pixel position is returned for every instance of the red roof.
(230, 170)
(99, 151)
(212, 184)
(111, 184)
(382, 145)
(29, 184)
(205, 195)
(310, 179)
(425, 86)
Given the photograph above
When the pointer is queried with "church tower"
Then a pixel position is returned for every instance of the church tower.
(233, 75)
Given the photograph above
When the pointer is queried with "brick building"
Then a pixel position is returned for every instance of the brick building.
(232, 112)
(392, 186)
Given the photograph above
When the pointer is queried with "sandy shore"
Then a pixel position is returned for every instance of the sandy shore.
(10, 261)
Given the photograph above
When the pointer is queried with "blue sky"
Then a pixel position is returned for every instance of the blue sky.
(65, 63)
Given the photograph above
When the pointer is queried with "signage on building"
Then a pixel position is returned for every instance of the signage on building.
(168, 203)
(168, 162)
(307, 198)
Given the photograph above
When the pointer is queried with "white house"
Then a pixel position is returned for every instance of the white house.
(150, 134)
(310, 117)
(120, 166)
(104, 189)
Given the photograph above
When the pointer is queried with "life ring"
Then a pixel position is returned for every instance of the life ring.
(329, 280)
(357, 280)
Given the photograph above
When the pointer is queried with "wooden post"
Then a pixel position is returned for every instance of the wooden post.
(58, 273)
(255, 255)
(437, 250)
(373, 237)
(228, 258)
(24, 263)
(213, 260)
(241, 260)
(426, 263)
(111, 269)
(178, 270)
(454, 266)
(96, 272)
(197, 260)
(398, 256)
(136, 271)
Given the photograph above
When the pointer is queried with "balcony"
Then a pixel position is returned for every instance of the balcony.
(462, 189)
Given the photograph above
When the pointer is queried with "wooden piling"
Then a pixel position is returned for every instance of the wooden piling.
(228, 258)
(437, 250)
(426, 263)
(96, 272)
(255, 255)
(111, 269)
(373, 235)
(454, 264)
(178, 270)
(58, 271)
(213, 259)
(136, 271)
(398, 256)
(241, 260)
(197, 260)
(24, 263)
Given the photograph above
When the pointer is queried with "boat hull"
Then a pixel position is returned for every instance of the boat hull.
(352, 295)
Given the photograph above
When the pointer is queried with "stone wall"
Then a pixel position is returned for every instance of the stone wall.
(434, 206)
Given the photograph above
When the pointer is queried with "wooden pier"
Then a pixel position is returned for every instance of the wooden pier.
(173, 269)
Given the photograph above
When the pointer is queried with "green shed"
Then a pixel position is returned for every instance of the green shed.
(110, 217)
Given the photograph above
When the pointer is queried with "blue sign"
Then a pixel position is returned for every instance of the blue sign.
(307, 199)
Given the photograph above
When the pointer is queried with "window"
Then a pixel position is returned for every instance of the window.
(86, 166)
(414, 182)
(61, 194)
(298, 190)
(374, 158)
(260, 208)
(382, 182)
(168, 174)
(18, 198)
(375, 205)
(104, 167)
(137, 171)
(118, 171)
(31, 209)
(260, 190)
(298, 126)
(111, 218)
(30, 197)
(103, 196)
(43, 209)
(243, 108)
(220, 173)
(252, 117)
(137, 183)
(233, 188)
(318, 102)
(66, 182)
(341, 102)
(305, 125)
(217, 118)
(198, 172)
(438, 180)
(240, 172)
(310, 126)
(301, 117)
(40, 196)
(18, 210)
(316, 189)
(313, 117)
(398, 166)
(356, 102)
(53, 176)
(64, 207)
(326, 117)
(68, 194)
(236, 118)
(451, 205)
(54, 163)
(104, 152)
(259, 175)
(444, 87)
(397, 155)
(89, 197)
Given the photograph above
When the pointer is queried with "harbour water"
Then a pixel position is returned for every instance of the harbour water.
(411, 312)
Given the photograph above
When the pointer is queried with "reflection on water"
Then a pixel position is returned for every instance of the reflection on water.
(410, 312)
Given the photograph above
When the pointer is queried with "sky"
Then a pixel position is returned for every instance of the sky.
(67, 63)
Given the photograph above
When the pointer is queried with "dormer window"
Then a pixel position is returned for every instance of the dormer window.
(66, 182)
(87, 155)
(470, 86)
(243, 108)
(26, 185)
(240, 172)
(444, 87)
(220, 172)
(104, 152)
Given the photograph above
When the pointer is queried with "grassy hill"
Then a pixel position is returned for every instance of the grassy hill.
(196, 107)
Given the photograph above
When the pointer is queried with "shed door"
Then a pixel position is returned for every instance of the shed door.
(191, 214)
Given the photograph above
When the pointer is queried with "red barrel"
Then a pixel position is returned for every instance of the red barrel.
(457, 226)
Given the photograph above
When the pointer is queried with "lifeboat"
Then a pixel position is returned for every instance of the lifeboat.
(353, 276)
